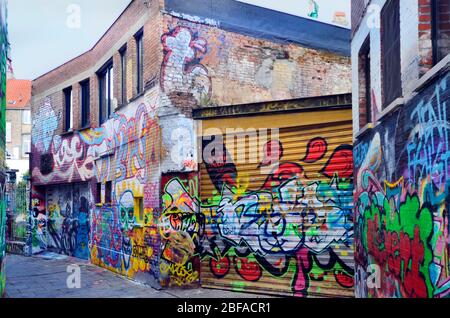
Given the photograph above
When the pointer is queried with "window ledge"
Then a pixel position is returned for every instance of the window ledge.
(85, 127)
(137, 96)
(391, 108)
(119, 107)
(67, 133)
(368, 127)
(439, 68)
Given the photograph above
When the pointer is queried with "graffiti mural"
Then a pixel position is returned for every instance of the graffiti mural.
(124, 235)
(58, 159)
(204, 65)
(68, 219)
(293, 231)
(181, 228)
(402, 199)
(182, 70)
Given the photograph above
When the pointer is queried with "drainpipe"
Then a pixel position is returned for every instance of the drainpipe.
(29, 242)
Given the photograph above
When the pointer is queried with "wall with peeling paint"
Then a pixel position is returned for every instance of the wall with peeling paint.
(218, 67)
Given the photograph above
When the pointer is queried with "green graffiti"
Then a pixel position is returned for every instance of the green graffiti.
(399, 242)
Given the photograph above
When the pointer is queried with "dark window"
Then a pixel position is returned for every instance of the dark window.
(139, 61)
(365, 105)
(390, 43)
(98, 197)
(440, 31)
(85, 103)
(106, 93)
(68, 115)
(123, 75)
(108, 191)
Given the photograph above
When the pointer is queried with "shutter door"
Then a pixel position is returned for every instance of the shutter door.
(283, 229)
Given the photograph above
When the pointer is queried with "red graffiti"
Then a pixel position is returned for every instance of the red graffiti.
(221, 267)
(315, 150)
(401, 255)
(301, 282)
(248, 270)
(273, 151)
(340, 163)
(343, 279)
(285, 172)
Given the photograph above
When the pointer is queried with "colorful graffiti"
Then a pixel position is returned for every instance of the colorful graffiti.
(290, 232)
(124, 234)
(181, 228)
(402, 199)
(181, 69)
(68, 219)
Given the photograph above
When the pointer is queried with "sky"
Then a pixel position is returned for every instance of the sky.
(47, 33)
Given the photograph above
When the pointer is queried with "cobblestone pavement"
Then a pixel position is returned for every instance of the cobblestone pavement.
(45, 276)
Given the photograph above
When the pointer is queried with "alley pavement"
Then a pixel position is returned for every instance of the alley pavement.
(45, 276)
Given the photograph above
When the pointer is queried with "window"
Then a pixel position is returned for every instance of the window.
(123, 75)
(390, 55)
(108, 191)
(26, 145)
(139, 62)
(106, 86)
(440, 29)
(68, 110)
(85, 103)
(26, 117)
(365, 96)
(98, 196)
(8, 132)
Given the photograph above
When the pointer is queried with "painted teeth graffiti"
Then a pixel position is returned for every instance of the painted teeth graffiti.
(401, 199)
(181, 227)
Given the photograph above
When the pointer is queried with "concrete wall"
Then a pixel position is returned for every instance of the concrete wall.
(401, 163)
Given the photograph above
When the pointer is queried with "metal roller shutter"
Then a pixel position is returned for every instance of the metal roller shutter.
(283, 229)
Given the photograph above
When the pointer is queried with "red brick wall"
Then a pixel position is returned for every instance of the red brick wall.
(229, 68)
(425, 32)
(425, 46)
(444, 27)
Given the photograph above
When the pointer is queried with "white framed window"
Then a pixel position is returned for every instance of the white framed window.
(26, 145)
(26, 117)
(8, 131)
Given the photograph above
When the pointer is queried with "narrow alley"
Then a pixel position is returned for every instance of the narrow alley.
(45, 276)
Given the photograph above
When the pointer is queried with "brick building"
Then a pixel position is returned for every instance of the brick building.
(120, 133)
(18, 125)
(400, 59)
